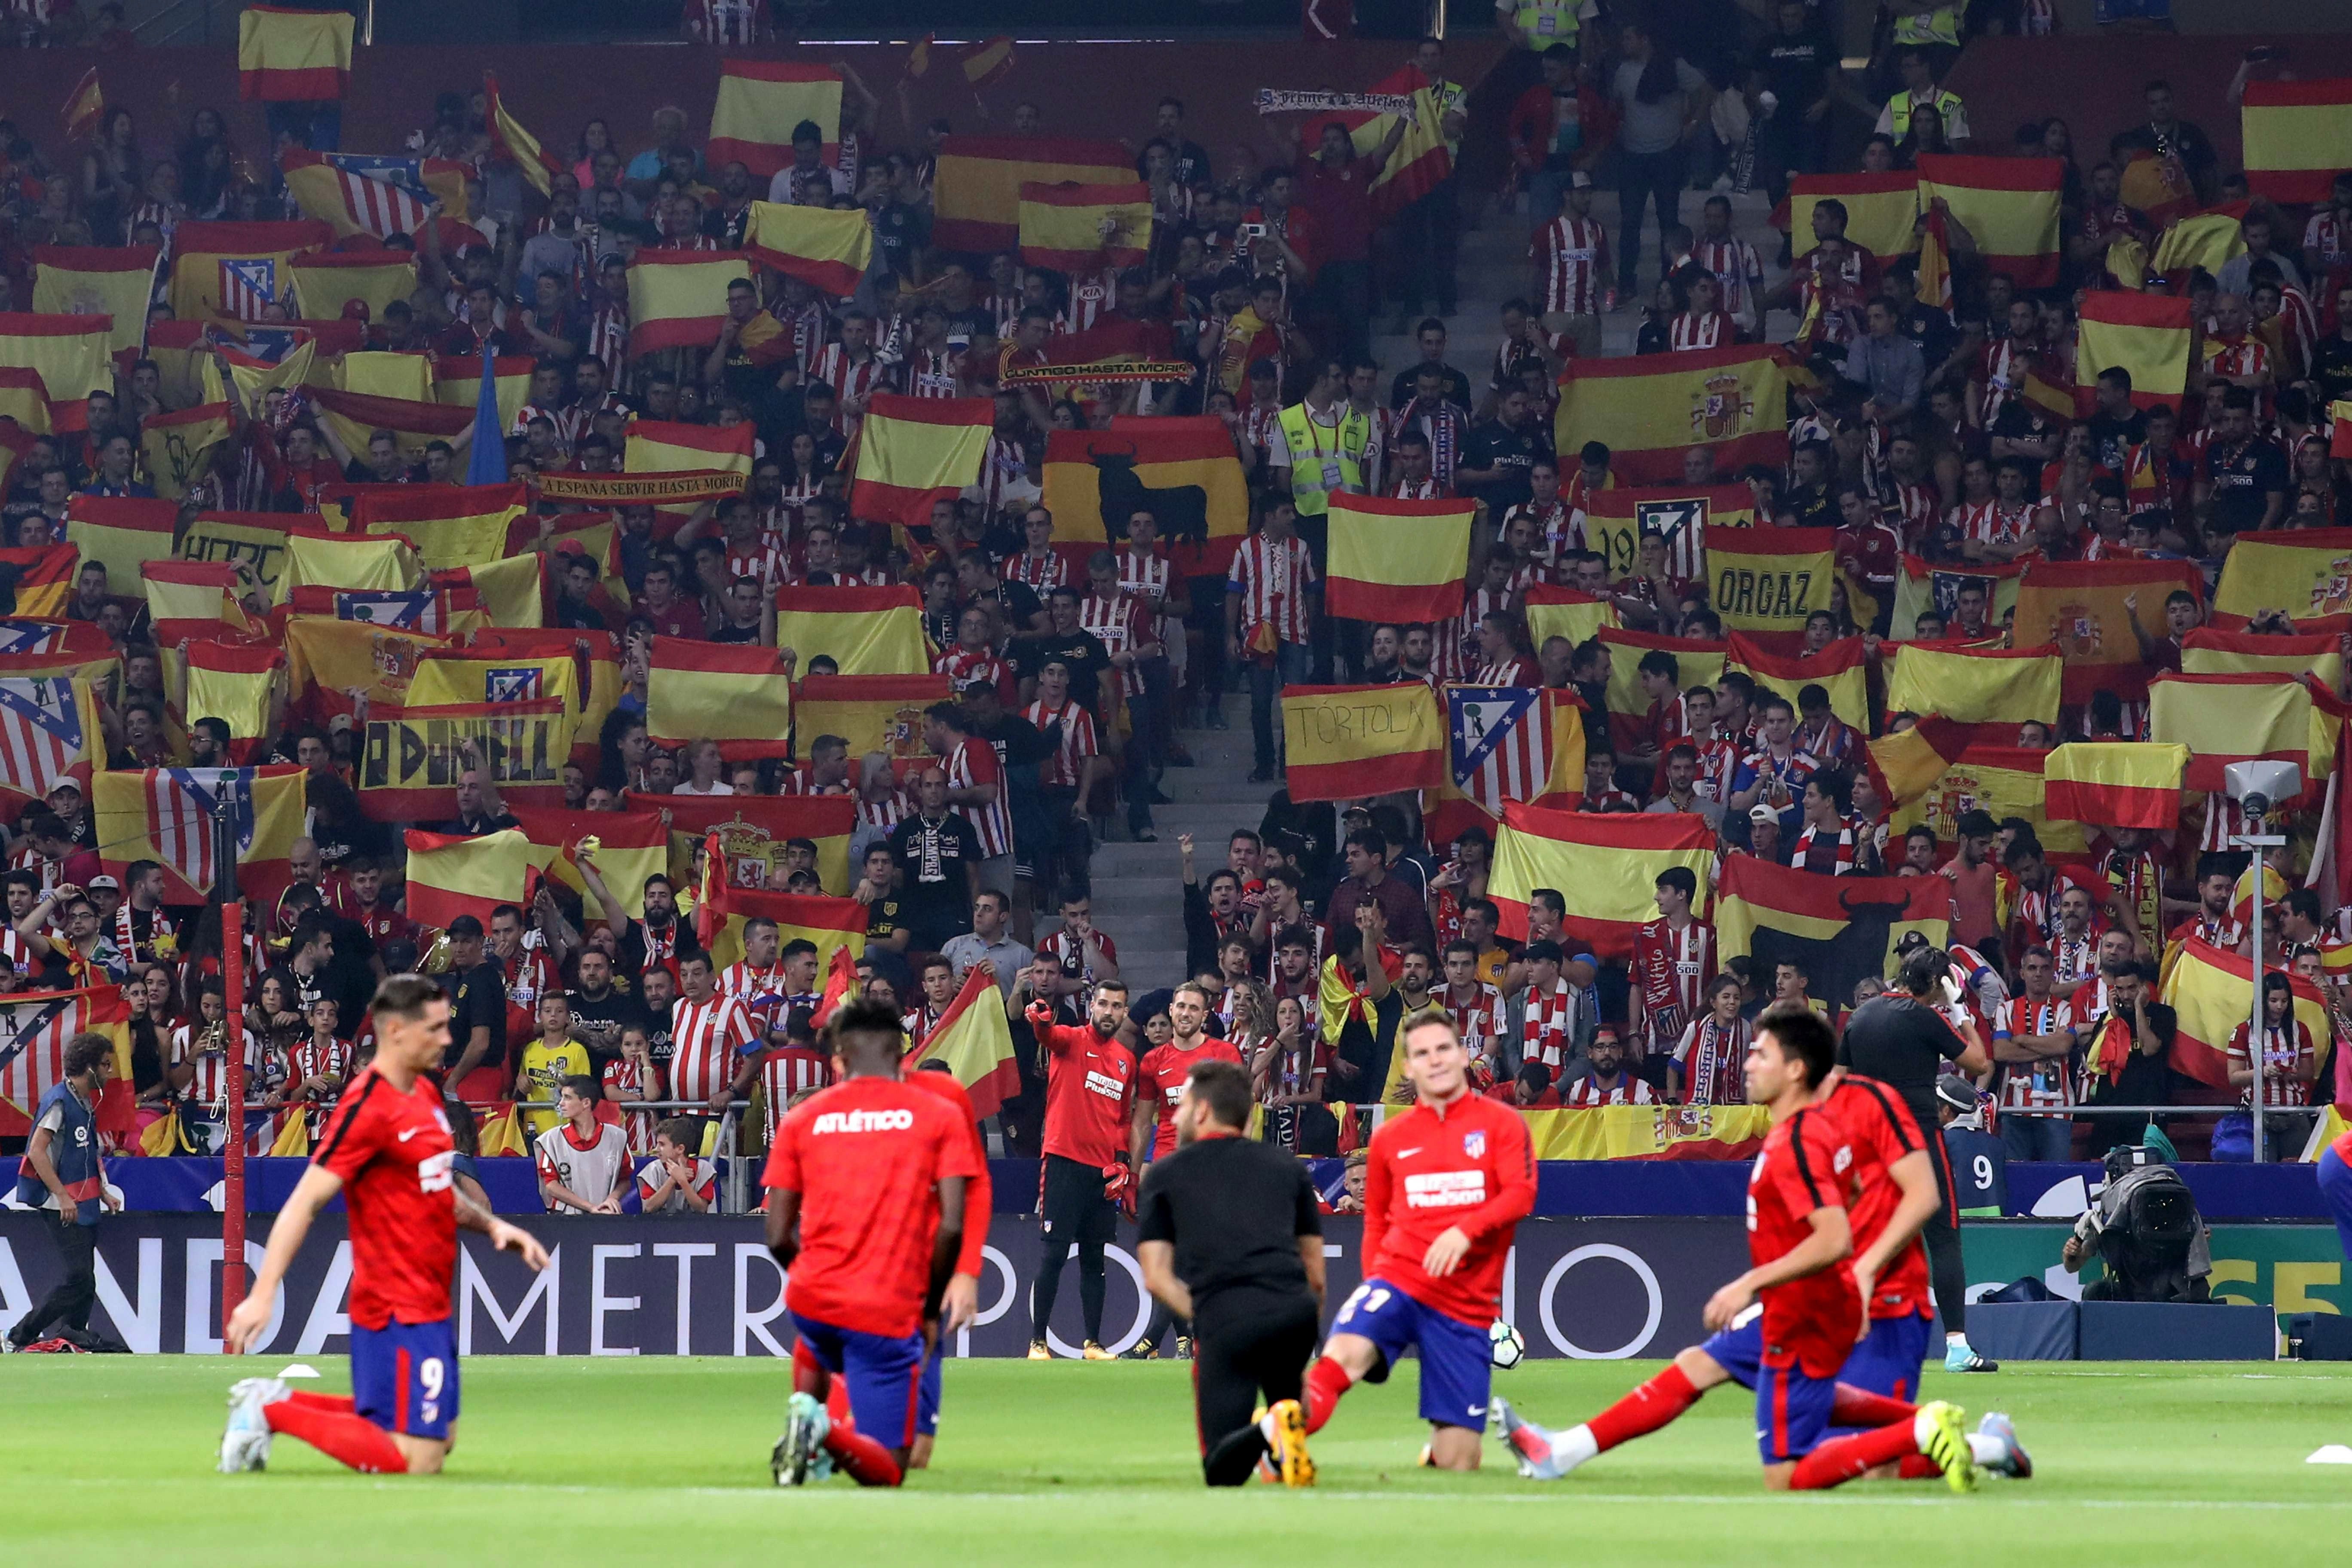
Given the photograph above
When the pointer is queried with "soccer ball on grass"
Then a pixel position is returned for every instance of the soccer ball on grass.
(1504, 1345)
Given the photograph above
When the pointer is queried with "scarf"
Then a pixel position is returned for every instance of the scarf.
(1843, 866)
(1233, 349)
(1717, 1052)
(1442, 422)
(2111, 1047)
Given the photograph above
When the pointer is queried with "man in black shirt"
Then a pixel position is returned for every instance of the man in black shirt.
(938, 857)
(1497, 456)
(2116, 425)
(478, 1011)
(1079, 650)
(1229, 1235)
(2244, 480)
(1796, 64)
(1901, 1039)
(600, 1010)
(2331, 358)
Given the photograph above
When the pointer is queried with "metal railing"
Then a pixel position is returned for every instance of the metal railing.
(734, 1195)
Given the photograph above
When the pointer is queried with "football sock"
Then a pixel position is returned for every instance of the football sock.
(341, 1402)
(1326, 1380)
(1643, 1410)
(1234, 1458)
(339, 1434)
(1091, 1289)
(1043, 1292)
(869, 1463)
(809, 1374)
(1919, 1468)
(1841, 1459)
(1855, 1407)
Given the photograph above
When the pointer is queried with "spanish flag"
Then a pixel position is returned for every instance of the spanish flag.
(1977, 685)
(2212, 992)
(976, 191)
(407, 377)
(511, 591)
(660, 446)
(237, 684)
(198, 249)
(1839, 930)
(1555, 611)
(1605, 866)
(1696, 664)
(1880, 210)
(678, 299)
(2208, 652)
(724, 907)
(450, 525)
(520, 146)
(456, 677)
(1769, 580)
(753, 831)
(974, 1042)
(1184, 467)
(164, 814)
(2006, 781)
(2009, 205)
(2115, 784)
(596, 655)
(1422, 158)
(1922, 587)
(41, 580)
(194, 599)
(913, 451)
(2298, 136)
(24, 398)
(741, 697)
(866, 631)
(2150, 335)
(414, 425)
(2078, 607)
(1639, 1132)
(1398, 560)
(255, 377)
(1062, 225)
(451, 875)
(378, 564)
(121, 533)
(329, 658)
(1841, 669)
(1615, 518)
(2225, 719)
(630, 846)
(759, 103)
(175, 450)
(1652, 409)
(1332, 736)
(987, 61)
(84, 106)
(186, 375)
(827, 249)
(872, 712)
(2210, 240)
(2305, 572)
(113, 281)
(292, 56)
(2158, 186)
(71, 353)
(458, 382)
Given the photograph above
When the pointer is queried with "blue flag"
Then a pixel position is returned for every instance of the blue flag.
(487, 464)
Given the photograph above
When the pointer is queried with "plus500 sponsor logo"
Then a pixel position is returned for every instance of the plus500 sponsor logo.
(1445, 1190)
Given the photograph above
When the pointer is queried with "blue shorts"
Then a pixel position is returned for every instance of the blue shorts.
(1888, 1361)
(1792, 1412)
(2336, 1192)
(1740, 1349)
(405, 1377)
(883, 1375)
(927, 1398)
(1457, 1366)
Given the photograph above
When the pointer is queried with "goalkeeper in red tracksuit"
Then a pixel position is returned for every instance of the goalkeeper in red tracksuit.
(1089, 1102)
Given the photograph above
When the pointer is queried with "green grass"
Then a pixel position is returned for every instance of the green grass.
(664, 1461)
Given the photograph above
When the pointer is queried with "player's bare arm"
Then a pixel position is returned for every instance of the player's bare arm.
(1832, 1239)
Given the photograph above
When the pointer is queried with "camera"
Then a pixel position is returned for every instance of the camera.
(1253, 231)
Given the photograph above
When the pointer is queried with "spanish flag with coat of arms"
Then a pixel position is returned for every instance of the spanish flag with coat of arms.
(872, 712)
(2305, 572)
(1652, 409)
(113, 281)
(2006, 781)
(2077, 607)
(722, 909)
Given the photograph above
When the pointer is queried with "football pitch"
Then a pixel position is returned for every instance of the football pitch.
(665, 1460)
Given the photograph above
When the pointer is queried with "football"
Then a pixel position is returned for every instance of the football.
(1504, 1344)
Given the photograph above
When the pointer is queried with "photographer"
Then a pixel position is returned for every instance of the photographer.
(2145, 1228)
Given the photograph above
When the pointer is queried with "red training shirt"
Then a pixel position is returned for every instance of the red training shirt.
(1089, 1093)
(392, 1152)
(1437, 1167)
(1807, 1165)
(1165, 1069)
(1881, 1131)
(867, 1156)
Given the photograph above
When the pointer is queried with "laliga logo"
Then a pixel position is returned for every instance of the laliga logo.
(2076, 628)
(1721, 408)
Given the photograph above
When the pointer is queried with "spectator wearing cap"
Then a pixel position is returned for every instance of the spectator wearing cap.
(475, 1064)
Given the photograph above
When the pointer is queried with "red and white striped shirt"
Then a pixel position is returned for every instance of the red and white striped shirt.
(709, 1037)
(1735, 267)
(969, 765)
(1692, 330)
(1118, 622)
(608, 340)
(638, 1125)
(767, 560)
(1479, 1021)
(1144, 575)
(1273, 578)
(1586, 1093)
(763, 991)
(1571, 255)
(1993, 522)
(2043, 1082)
(1043, 572)
(2002, 370)
(962, 666)
(2281, 1048)
(850, 378)
(309, 1059)
(788, 1072)
(1067, 765)
(1918, 507)
(934, 373)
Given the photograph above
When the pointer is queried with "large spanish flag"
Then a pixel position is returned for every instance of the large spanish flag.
(176, 450)
(2305, 572)
(458, 382)
(913, 451)
(2208, 652)
(1653, 409)
(1339, 740)
(2210, 240)
(194, 599)
(257, 538)
(665, 447)
(2298, 136)
(1615, 518)
(286, 56)
(827, 248)
(113, 281)
(1640, 1132)
(1922, 587)
(1555, 612)
(1605, 868)
(2150, 335)
(198, 249)
(1838, 929)
(866, 631)
(456, 676)
(1398, 560)
(166, 814)
(451, 875)
(724, 909)
(678, 299)
(1841, 669)
(755, 832)
(630, 845)
(24, 398)
(121, 533)
(741, 697)
(1422, 157)
(1769, 580)
(537, 166)
(2115, 784)
(2009, 205)
(70, 353)
(237, 683)
(2077, 606)
(1696, 664)
(974, 1042)
(450, 525)
(1880, 210)
(364, 562)
(2212, 992)
(976, 192)
(2225, 719)
(331, 658)
(2006, 781)
(1062, 225)
(1183, 468)
(871, 712)
(596, 655)
(1977, 685)
(759, 103)
(377, 373)
(413, 425)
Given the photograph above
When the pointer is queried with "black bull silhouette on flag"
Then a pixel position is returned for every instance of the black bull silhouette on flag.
(1182, 510)
(1833, 964)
